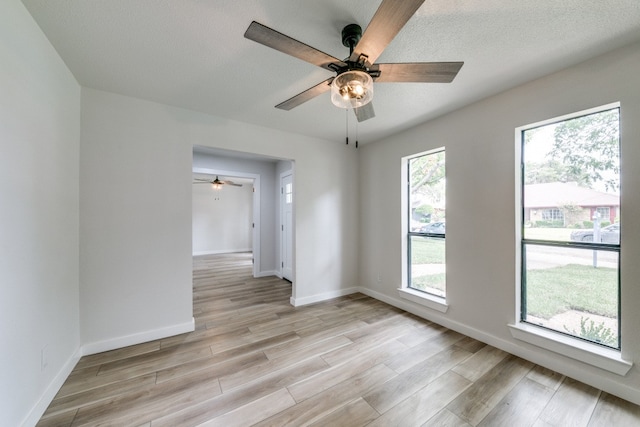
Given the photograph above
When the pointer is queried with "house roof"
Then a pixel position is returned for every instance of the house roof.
(556, 194)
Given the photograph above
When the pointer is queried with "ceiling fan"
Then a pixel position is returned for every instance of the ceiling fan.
(217, 183)
(352, 87)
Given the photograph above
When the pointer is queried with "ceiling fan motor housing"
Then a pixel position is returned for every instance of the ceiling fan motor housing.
(351, 35)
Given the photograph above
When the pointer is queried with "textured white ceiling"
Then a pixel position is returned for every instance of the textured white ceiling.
(192, 53)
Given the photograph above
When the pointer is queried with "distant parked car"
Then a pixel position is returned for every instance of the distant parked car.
(416, 225)
(608, 234)
(434, 227)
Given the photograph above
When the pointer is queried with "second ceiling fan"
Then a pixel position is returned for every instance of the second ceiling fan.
(216, 183)
(352, 87)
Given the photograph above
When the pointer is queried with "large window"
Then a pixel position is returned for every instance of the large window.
(426, 217)
(571, 226)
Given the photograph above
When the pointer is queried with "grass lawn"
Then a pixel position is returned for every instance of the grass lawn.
(550, 291)
(430, 282)
(427, 250)
(572, 287)
(562, 234)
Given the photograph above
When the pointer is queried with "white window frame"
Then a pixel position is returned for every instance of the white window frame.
(555, 214)
(431, 301)
(607, 209)
(608, 359)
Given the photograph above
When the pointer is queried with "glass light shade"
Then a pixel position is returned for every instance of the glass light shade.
(352, 89)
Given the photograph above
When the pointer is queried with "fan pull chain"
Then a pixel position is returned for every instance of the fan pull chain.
(347, 126)
(356, 134)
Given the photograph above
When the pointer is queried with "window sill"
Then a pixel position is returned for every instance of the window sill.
(427, 300)
(592, 354)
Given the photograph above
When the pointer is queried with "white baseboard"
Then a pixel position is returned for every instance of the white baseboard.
(43, 403)
(268, 273)
(547, 359)
(223, 251)
(125, 341)
(437, 317)
(297, 302)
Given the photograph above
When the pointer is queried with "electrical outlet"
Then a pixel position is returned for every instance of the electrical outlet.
(379, 279)
(44, 358)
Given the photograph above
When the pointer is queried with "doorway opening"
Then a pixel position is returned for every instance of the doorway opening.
(272, 249)
(226, 216)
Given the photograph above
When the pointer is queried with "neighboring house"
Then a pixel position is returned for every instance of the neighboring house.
(567, 202)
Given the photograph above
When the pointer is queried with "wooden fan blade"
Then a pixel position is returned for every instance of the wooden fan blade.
(203, 182)
(388, 20)
(308, 94)
(419, 72)
(285, 44)
(365, 112)
(232, 184)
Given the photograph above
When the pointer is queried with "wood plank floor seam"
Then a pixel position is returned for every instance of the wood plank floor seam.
(351, 361)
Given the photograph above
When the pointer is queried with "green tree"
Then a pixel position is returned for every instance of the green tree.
(553, 171)
(571, 213)
(427, 186)
(589, 147)
(427, 178)
(426, 171)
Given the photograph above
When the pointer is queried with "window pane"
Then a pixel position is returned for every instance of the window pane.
(427, 193)
(427, 264)
(573, 291)
(288, 192)
(426, 214)
(572, 179)
(571, 194)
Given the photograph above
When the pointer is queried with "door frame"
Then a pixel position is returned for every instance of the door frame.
(255, 244)
(292, 231)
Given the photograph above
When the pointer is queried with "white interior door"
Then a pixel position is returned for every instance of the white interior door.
(286, 217)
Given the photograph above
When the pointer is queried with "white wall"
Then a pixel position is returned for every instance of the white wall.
(136, 163)
(481, 223)
(222, 219)
(135, 224)
(39, 134)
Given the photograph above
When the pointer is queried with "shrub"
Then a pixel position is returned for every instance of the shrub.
(558, 223)
(592, 332)
(544, 224)
(587, 224)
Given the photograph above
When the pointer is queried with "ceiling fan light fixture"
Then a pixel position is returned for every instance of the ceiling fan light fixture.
(352, 89)
(217, 184)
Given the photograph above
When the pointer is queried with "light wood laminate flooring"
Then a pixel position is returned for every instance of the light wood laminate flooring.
(352, 361)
